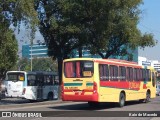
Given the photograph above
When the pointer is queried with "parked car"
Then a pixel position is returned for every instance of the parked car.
(158, 90)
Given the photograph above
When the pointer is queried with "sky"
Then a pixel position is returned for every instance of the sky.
(23, 38)
(150, 23)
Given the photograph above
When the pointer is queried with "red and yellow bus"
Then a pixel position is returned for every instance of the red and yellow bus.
(107, 80)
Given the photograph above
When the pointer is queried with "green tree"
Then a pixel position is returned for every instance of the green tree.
(44, 64)
(23, 64)
(110, 25)
(57, 30)
(104, 26)
(12, 12)
(38, 64)
(8, 50)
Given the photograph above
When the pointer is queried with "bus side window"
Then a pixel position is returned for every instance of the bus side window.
(31, 80)
(153, 79)
(149, 74)
(115, 73)
(135, 74)
(140, 75)
(100, 72)
(55, 80)
(40, 80)
(129, 74)
(111, 72)
(107, 72)
(103, 72)
(50, 80)
(45, 80)
(122, 73)
(144, 74)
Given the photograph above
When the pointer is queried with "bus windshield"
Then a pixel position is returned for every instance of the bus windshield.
(78, 69)
(15, 77)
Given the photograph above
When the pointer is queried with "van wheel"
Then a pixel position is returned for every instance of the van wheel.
(147, 97)
(121, 100)
(50, 96)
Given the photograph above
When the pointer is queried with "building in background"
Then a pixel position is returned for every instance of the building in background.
(133, 54)
(41, 51)
(145, 62)
(156, 65)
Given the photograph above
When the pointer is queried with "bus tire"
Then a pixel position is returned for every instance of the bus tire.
(148, 95)
(50, 96)
(121, 99)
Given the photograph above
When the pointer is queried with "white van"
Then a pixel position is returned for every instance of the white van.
(158, 89)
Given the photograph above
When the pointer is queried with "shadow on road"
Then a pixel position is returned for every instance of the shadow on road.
(85, 106)
(8, 101)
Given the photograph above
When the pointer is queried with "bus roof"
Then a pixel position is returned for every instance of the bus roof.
(117, 61)
(16, 71)
(44, 72)
(104, 60)
(80, 59)
(34, 72)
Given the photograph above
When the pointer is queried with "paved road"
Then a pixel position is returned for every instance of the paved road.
(67, 110)
(11, 101)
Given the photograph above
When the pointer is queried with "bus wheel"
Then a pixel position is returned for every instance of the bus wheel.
(147, 97)
(50, 96)
(121, 100)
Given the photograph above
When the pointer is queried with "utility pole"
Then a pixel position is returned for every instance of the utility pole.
(31, 52)
(32, 36)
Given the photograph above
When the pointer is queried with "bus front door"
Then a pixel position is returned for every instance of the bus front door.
(40, 87)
